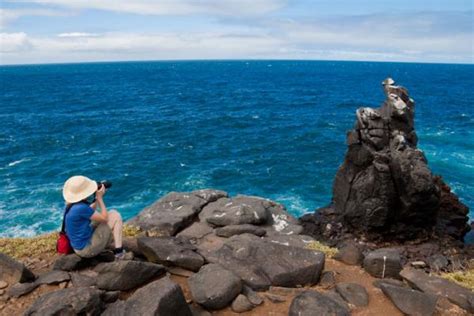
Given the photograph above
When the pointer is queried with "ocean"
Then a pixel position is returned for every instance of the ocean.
(275, 129)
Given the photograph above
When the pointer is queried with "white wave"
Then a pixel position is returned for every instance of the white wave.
(16, 162)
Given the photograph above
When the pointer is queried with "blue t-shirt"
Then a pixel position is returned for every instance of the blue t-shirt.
(78, 225)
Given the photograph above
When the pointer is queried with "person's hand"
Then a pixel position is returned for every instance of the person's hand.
(100, 193)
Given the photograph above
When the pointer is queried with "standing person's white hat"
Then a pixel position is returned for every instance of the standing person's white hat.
(78, 188)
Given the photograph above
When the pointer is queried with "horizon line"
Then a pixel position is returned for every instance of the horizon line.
(234, 60)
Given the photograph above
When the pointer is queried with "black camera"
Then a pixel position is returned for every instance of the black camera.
(106, 183)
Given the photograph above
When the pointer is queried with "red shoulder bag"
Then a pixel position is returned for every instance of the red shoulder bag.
(63, 245)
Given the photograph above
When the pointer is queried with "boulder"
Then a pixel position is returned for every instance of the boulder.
(350, 254)
(383, 263)
(236, 211)
(53, 277)
(310, 303)
(438, 262)
(455, 293)
(214, 287)
(74, 262)
(378, 283)
(241, 304)
(84, 280)
(196, 231)
(328, 279)
(126, 275)
(231, 230)
(251, 295)
(175, 251)
(162, 298)
(70, 301)
(20, 289)
(353, 293)
(409, 301)
(261, 263)
(174, 211)
(13, 271)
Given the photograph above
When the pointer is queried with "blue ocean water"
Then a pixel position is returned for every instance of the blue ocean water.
(270, 128)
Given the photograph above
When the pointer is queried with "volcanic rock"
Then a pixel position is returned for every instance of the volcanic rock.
(20, 289)
(214, 287)
(261, 263)
(312, 303)
(241, 304)
(328, 279)
(384, 189)
(161, 297)
(383, 263)
(353, 293)
(176, 251)
(53, 277)
(71, 301)
(252, 296)
(236, 211)
(13, 271)
(409, 301)
(126, 275)
(231, 230)
(350, 254)
(74, 262)
(174, 211)
(457, 294)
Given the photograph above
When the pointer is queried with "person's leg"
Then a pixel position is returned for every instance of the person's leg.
(100, 239)
(114, 221)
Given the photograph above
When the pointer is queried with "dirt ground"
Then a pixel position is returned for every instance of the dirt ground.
(378, 303)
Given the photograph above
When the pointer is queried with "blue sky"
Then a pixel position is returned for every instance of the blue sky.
(45, 31)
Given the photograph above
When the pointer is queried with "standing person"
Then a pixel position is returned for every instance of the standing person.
(90, 231)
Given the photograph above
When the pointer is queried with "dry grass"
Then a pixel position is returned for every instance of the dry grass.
(316, 245)
(42, 244)
(463, 278)
(29, 247)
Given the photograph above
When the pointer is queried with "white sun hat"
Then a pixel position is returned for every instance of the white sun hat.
(78, 188)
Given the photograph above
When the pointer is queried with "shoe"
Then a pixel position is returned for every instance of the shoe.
(124, 255)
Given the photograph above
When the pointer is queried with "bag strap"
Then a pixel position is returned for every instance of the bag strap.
(64, 217)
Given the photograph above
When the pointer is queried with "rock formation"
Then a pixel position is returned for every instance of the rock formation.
(384, 189)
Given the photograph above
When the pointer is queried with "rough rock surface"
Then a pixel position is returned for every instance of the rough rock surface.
(71, 301)
(214, 287)
(241, 304)
(162, 297)
(457, 294)
(261, 263)
(175, 211)
(13, 271)
(311, 303)
(176, 251)
(231, 230)
(349, 254)
(353, 293)
(53, 277)
(126, 275)
(384, 188)
(409, 301)
(383, 263)
(74, 262)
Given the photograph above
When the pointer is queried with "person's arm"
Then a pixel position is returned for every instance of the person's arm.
(102, 216)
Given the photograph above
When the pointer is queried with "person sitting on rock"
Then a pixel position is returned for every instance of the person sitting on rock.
(90, 232)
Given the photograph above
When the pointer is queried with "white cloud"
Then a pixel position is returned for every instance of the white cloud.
(78, 34)
(9, 15)
(173, 7)
(14, 42)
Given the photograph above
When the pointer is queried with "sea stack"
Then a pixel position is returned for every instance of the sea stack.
(384, 189)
